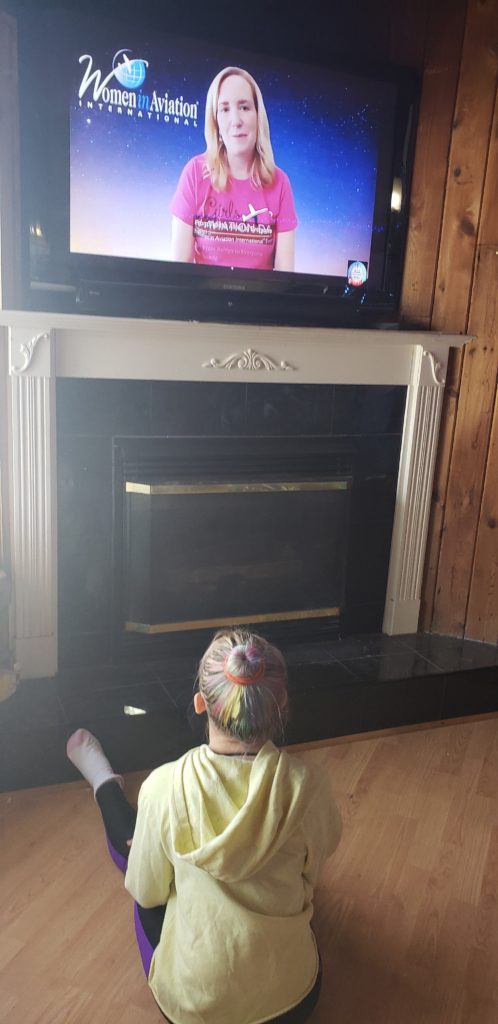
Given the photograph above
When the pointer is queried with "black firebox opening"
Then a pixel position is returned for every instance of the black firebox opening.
(215, 531)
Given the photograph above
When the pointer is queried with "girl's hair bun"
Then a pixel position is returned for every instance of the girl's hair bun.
(244, 665)
(243, 679)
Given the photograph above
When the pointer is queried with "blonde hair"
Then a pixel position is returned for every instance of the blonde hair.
(243, 679)
(263, 165)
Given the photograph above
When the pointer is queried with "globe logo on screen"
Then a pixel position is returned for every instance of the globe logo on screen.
(129, 73)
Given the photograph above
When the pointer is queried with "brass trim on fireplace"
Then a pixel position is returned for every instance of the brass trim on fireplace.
(255, 487)
(239, 620)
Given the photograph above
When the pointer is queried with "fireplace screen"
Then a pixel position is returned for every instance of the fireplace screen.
(253, 544)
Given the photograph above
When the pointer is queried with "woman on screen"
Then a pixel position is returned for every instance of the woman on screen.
(233, 206)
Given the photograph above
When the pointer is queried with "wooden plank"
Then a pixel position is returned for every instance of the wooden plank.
(457, 252)
(442, 62)
(440, 487)
(10, 205)
(467, 165)
(488, 234)
(470, 447)
(489, 216)
(482, 615)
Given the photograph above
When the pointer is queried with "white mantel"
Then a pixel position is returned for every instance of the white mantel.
(43, 346)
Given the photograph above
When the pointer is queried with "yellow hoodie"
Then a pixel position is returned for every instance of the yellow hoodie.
(233, 847)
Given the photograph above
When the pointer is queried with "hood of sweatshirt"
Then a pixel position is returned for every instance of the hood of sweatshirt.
(228, 815)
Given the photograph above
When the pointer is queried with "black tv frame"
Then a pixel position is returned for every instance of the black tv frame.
(117, 286)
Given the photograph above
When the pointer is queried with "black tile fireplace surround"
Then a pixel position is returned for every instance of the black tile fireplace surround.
(93, 414)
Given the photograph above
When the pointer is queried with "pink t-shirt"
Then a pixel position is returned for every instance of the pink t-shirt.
(238, 227)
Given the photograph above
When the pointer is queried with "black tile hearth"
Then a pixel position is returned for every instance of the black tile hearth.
(324, 713)
(337, 688)
(145, 741)
(450, 653)
(318, 677)
(460, 698)
(371, 643)
(35, 705)
(398, 665)
(85, 649)
(394, 703)
(142, 697)
(71, 682)
(35, 758)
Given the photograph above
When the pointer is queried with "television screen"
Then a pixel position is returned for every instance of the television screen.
(138, 158)
(175, 152)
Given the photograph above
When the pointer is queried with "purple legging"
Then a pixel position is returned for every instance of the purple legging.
(119, 821)
(144, 941)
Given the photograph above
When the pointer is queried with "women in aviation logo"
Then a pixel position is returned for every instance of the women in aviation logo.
(130, 74)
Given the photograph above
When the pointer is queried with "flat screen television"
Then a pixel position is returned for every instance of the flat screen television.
(285, 203)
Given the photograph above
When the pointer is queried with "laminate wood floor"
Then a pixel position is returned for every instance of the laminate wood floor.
(406, 911)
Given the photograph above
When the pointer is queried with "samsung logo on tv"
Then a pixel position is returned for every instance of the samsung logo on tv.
(131, 74)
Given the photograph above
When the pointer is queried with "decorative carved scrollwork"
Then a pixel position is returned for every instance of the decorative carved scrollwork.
(26, 351)
(247, 360)
(436, 368)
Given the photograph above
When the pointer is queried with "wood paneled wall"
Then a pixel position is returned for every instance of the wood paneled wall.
(450, 284)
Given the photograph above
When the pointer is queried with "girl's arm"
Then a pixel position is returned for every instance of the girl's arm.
(284, 250)
(150, 873)
(182, 241)
(322, 826)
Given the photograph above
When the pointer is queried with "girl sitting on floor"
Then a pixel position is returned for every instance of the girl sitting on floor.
(227, 845)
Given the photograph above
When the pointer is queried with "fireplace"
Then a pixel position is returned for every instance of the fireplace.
(238, 379)
(211, 532)
(124, 445)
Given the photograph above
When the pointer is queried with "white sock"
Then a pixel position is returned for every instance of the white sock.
(86, 753)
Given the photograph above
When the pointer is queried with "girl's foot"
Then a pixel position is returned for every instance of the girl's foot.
(85, 751)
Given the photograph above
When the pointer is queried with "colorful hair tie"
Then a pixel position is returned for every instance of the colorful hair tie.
(245, 680)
